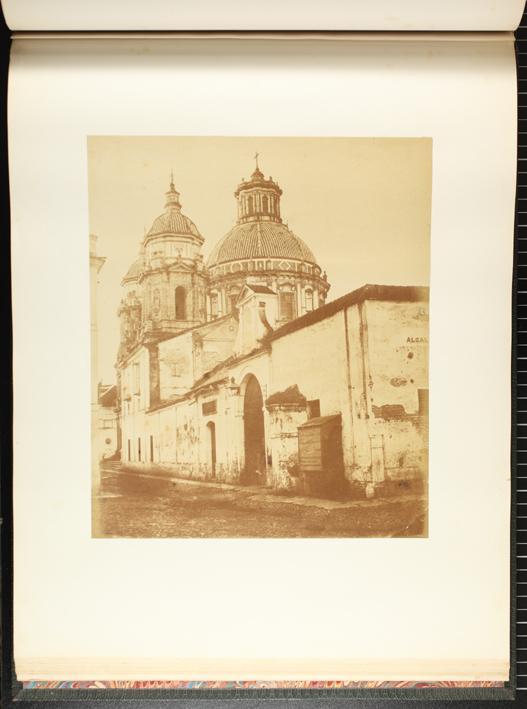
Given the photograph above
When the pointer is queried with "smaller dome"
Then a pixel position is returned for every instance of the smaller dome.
(173, 222)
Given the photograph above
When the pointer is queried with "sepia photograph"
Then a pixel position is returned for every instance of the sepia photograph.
(259, 336)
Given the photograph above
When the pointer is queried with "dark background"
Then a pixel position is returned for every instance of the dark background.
(11, 691)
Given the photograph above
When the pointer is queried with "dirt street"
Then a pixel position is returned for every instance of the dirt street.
(133, 505)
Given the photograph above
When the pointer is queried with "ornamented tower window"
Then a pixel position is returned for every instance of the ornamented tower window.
(287, 306)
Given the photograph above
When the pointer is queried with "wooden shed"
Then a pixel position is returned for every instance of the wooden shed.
(320, 454)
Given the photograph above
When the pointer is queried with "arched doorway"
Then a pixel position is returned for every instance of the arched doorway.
(212, 447)
(254, 435)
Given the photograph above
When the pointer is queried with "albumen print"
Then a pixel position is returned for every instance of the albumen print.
(259, 330)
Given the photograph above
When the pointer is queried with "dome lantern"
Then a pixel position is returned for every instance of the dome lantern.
(258, 198)
(172, 196)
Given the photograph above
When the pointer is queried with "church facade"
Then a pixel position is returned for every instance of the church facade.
(239, 369)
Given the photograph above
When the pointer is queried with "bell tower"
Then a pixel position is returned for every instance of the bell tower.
(165, 287)
(174, 276)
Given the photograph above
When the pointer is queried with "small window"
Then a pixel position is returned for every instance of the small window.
(209, 408)
(313, 409)
(251, 205)
(151, 449)
(181, 303)
(265, 205)
(309, 300)
(129, 457)
(139, 449)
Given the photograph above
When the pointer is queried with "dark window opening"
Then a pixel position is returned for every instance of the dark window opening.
(139, 449)
(265, 205)
(181, 303)
(313, 409)
(151, 449)
(129, 450)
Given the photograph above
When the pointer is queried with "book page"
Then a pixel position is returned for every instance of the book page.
(427, 132)
(376, 15)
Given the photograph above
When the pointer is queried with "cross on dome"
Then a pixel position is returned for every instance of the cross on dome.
(257, 174)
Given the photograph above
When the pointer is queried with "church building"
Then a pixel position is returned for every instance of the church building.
(239, 369)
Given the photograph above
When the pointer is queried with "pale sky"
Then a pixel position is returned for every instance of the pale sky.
(362, 205)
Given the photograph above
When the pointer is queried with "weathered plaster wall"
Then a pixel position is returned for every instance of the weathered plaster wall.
(213, 344)
(398, 358)
(176, 371)
(183, 359)
(367, 362)
(398, 352)
(315, 359)
(389, 346)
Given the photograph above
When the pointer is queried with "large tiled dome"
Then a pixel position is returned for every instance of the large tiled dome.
(259, 239)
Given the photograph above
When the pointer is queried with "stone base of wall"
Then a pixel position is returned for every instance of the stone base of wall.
(415, 482)
(149, 468)
(185, 470)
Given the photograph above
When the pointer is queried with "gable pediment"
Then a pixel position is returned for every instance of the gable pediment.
(251, 290)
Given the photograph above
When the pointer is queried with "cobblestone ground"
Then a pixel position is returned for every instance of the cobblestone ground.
(132, 505)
